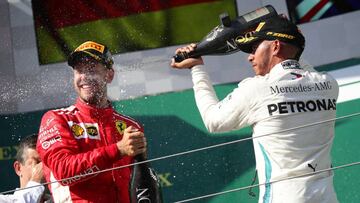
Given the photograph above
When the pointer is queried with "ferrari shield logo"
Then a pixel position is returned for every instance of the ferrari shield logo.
(120, 126)
(91, 130)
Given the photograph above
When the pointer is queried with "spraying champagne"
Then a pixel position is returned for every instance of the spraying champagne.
(222, 39)
(144, 184)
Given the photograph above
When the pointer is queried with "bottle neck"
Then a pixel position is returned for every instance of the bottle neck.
(140, 157)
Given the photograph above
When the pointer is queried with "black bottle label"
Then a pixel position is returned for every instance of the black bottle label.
(144, 184)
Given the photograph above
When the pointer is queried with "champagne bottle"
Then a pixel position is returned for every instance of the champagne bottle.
(222, 39)
(144, 183)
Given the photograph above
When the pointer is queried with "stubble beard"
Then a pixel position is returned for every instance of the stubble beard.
(97, 95)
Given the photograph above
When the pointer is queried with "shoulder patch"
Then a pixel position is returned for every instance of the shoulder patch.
(120, 126)
(127, 119)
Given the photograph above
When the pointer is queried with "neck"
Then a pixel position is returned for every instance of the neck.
(23, 183)
(103, 103)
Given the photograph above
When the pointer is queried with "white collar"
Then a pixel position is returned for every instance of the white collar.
(288, 64)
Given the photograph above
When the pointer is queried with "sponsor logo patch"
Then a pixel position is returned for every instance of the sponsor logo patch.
(296, 76)
(282, 35)
(85, 130)
(48, 143)
(91, 45)
(47, 133)
(302, 106)
(91, 130)
(77, 130)
(290, 64)
(84, 174)
(318, 86)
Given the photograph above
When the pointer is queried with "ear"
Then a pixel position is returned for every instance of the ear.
(110, 75)
(17, 168)
(276, 47)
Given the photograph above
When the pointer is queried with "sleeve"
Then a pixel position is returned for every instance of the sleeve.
(219, 116)
(7, 198)
(33, 194)
(60, 152)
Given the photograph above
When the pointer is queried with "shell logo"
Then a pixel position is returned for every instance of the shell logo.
(77, 130)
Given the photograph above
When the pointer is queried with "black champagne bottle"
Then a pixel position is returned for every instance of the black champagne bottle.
(144, 183)
(222, 39)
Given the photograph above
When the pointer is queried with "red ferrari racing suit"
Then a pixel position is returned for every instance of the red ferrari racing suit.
(80, 140)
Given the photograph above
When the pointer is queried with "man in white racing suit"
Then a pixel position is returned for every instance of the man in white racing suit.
(278, 102)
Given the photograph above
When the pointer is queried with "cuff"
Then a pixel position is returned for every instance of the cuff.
(197, 68)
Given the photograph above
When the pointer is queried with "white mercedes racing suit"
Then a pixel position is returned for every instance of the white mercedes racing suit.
(290, 96)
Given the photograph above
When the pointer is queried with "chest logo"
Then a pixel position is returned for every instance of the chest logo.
(77, 130)
(296, 76)
(84, 130)
(91, 130)
(120, 126)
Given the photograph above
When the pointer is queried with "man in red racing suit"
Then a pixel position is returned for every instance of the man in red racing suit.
(89, 136)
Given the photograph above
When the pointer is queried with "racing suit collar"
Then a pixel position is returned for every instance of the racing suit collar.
(289, 64)
(94, 111)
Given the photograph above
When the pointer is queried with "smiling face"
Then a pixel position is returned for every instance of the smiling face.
(90, 81)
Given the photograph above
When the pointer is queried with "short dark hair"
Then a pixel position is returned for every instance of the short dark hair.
(293, 51)
(26, 142)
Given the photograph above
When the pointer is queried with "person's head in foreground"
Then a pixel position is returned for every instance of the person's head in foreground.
(27, 162)
(93, 70)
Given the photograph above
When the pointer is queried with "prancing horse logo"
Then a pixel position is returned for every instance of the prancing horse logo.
(120, 126)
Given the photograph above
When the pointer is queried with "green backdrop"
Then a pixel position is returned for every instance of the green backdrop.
(172, 125)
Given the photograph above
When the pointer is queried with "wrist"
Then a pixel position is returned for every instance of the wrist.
(120, 149)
